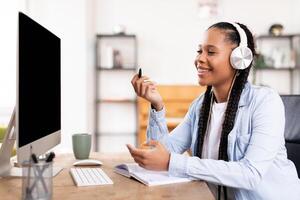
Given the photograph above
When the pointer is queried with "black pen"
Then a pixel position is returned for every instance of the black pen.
(34, 158)
(50, 157)
(140, 72)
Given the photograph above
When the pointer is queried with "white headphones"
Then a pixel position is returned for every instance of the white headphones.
(241, 57)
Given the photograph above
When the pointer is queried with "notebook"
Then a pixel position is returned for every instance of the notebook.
(147, 177)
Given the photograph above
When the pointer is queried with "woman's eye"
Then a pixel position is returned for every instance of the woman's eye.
(211, 52)
(199, 51)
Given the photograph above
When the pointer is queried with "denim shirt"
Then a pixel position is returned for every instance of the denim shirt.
(258, 167)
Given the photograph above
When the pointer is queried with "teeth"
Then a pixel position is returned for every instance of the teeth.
(203, 70)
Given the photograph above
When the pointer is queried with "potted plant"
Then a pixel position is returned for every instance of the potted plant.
(2, 132)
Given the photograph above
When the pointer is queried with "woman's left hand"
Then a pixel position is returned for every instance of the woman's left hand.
(156, 158)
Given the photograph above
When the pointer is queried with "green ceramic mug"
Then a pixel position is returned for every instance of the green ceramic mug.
(81, 145)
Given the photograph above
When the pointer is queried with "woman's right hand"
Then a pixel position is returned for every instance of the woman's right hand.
(146, 89)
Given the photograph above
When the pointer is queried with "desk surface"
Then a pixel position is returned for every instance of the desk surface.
(123, 188)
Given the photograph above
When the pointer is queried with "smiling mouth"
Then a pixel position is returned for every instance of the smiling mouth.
(203, 71)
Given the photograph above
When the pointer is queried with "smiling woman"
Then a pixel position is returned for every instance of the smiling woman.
(235, 130)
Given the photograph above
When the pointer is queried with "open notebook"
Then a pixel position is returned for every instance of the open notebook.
(147, 177)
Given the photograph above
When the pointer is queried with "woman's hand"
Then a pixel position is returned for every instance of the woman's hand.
(146, 89)
(156, 158)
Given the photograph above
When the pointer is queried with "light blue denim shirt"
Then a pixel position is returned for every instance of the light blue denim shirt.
(258, 167)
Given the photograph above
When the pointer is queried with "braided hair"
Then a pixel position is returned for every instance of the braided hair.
(231, 35)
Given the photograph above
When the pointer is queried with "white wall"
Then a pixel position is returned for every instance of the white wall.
(8, 19)
(67, 19)
(169, 30)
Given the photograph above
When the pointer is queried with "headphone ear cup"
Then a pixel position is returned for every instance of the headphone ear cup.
(241, 57)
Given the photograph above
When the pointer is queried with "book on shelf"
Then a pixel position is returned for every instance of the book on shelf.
(147, 177)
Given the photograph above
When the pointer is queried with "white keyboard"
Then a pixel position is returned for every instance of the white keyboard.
(89, 176)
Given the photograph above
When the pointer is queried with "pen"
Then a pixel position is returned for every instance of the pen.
(140, 72)
(34, 158)
(50, 157)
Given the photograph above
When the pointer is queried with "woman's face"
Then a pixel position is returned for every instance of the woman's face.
(213, 59)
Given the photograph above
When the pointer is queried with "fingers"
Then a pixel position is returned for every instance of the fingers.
(150, 145)
(154, 143)
(145, 88)
(130, 147)
(146, 145)
(133, 82)
(140, 161)
(141, 85)
(135, 152)
(139, 155)
(136, 83)
(134, 79)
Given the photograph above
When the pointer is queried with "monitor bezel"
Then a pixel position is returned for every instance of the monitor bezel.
(43, 144)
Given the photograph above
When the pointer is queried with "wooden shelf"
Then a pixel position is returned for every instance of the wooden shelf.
(116, 35)
(103, 68)
(278, 37)
(274, 68)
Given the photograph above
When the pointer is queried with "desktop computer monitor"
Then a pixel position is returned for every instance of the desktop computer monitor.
(36, 120)
(38, 107)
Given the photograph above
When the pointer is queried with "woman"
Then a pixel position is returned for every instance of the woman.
(235, 130)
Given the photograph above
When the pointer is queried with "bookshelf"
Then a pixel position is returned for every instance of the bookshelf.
(115, 100)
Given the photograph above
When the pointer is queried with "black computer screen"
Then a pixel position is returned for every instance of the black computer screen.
(39, 82)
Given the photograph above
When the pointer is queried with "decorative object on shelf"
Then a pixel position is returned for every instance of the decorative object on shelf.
(260, 61)
(119, 29)
(276, 29)
(116, 51)
(117, 59)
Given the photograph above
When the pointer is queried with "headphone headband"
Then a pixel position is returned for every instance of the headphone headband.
(242, 34)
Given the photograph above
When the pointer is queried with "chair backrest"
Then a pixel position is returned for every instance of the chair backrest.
(292, 128)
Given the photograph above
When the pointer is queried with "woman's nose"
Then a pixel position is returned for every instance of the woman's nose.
(199, 59)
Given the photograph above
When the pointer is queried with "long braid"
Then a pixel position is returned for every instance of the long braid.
(202, 123)
(231, 111)
(235, 94)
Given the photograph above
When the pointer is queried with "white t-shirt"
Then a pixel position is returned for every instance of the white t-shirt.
(212, 138)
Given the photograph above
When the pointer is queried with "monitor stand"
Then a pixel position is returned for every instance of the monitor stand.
(6, 168)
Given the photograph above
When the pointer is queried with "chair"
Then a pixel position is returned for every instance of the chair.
(292, 128)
